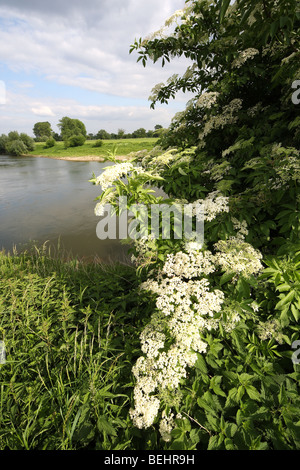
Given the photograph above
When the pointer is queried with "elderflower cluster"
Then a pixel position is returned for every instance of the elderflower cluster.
(228, 116)
(115, 172)
(244, 56)
(207, 100)
(270, 330)
(241, 228)
(185, 308)
(214, 204)
(166, 425)
(239, 257)
(100, 206)
(189, 265)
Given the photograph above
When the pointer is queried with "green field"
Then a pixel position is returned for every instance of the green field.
(119, 147)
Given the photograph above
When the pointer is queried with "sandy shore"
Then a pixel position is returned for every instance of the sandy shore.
(87, 158)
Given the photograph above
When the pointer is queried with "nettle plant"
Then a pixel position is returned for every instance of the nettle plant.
(216, 369)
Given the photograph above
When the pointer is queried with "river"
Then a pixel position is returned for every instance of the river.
(42, 199)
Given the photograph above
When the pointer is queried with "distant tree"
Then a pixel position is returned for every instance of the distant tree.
(28, 141)
(121, 133)
(16, 147)
(42, 130)
(15, 143)
(70, 128)
(158, 126)
(3, 143)
(56, 136)
(139, 133)
(102, 134)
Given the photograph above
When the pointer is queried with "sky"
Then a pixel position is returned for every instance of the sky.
(71, 58)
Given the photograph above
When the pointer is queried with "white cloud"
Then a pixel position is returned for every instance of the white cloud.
(43, 111)
(84, 46)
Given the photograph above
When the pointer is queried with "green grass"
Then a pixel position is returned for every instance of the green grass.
(121, 147)
(71, 332)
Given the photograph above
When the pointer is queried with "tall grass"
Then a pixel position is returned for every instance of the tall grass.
(71, 332)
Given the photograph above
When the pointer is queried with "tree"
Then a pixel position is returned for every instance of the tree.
(42, 130)
(139, 133)
(121, 133)
(16, 144)
(102, 134)
(70, 128)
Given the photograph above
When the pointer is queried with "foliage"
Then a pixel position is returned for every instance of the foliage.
(74, 141)
(215, 369)
(98, 143)
(16, 144)
(73, 131)
(71, 333)
(50, 142)
(42, 131)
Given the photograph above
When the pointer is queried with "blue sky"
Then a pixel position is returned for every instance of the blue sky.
(72, 59)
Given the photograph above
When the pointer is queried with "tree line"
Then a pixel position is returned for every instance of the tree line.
(72, 132)
(74, 127)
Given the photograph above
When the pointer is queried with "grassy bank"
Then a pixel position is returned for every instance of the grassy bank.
(120, 147)
(71, 333)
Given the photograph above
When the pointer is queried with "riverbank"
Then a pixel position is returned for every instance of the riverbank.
(122, 149)
(87, 158)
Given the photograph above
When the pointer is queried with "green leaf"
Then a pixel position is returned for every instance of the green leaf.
(224, 7)
(104, 426)
(252, 392)
(285, 300)
(226, 277)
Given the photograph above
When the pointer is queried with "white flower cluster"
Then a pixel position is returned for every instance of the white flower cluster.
(237, 256)
(244, 56)
(100, 206)
(270, 330)
(228, 116)
(185, 308)
(214, 204)
(115, 172)
(207, 100)
(166, 425)
(190, 264)
(241, 228)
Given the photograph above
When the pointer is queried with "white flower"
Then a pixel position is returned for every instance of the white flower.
(244, 56)
(115, 172)
(207, 100)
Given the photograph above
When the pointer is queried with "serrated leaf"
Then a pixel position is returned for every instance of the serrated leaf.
(252, 392)
(104, 426)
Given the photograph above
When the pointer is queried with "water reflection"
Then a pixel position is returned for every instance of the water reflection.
(44, 199)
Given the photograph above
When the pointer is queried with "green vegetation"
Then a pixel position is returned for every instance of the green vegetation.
(71, 334)
(42, 131)
(121, 147)
(198, 347)
(15, 143)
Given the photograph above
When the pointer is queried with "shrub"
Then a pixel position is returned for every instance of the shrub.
(16, 147)
(98, 143)
(75, 141)
(51, 142)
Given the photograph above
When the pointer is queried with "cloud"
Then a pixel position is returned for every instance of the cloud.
(43, 111)
(83, 46)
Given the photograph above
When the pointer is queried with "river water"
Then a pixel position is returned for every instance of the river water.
(42, 199)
